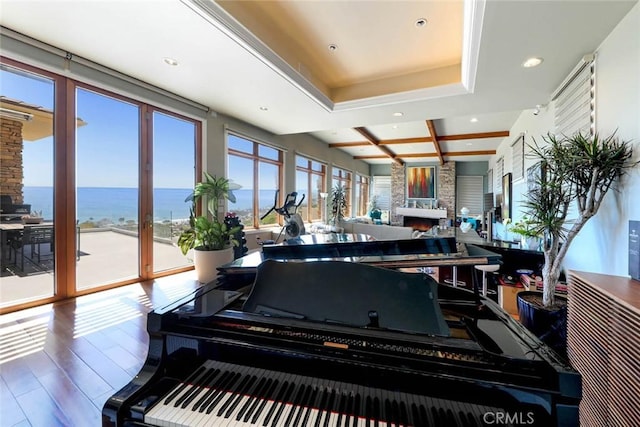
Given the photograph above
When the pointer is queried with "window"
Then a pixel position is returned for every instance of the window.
(107, 225)
(310, 181)
(343, 178)
(257, 168)
(490, 181)
(517, 157)
(362, 195)
(381, 192)
(498, 175)
(469, 194)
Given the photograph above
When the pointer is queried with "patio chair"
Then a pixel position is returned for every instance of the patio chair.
(35, 236)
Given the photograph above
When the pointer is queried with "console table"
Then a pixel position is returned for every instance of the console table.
(603, 344)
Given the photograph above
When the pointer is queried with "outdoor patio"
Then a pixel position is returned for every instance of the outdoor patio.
(105, 256)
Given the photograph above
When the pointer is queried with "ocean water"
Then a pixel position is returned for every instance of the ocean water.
(121, 204)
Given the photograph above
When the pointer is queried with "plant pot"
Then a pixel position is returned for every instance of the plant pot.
(207, 262)
(549, 325)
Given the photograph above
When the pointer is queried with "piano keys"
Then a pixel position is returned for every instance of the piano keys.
(235, 395)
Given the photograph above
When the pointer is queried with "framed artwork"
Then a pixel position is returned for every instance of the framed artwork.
(421, 182)
(506, 196)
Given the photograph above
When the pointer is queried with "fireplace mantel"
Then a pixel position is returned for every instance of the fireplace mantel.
(422, 213)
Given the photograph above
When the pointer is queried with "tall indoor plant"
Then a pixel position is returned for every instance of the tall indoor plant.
(338, 203)
(211, 239)
(577, 172)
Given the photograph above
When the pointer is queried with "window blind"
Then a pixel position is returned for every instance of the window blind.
(381, 190)
(517, 157)
(469, 194)
(575, 100)
(498, 175)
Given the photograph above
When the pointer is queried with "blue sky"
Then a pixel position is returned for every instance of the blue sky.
(107, 146)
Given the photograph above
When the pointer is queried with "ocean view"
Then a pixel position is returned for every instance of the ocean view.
(121, 204)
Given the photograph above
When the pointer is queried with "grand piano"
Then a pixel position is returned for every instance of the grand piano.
(331, 341)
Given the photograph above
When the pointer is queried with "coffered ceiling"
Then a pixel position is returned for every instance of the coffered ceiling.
(382, 80)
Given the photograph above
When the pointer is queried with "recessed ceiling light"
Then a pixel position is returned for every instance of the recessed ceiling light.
(532, 62)
(474, 120)
(469, 144)
(264, 108)
(170, 61)
(421, 22)
(332, 47)
(398, 114)
(394, 127)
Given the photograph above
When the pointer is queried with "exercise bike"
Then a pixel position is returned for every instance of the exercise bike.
(293, 225)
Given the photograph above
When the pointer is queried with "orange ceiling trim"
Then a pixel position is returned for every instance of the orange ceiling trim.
(434, 135)
(418, 155)
(441, 138)
(471, 153)
(497, 134)
(375, 141)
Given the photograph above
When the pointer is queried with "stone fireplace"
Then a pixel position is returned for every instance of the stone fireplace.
(446, 193)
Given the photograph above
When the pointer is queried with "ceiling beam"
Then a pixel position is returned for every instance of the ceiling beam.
(376, 142)
(434, 135)
(441, 138)
(471, 153)
(417, 155)
(480, 135)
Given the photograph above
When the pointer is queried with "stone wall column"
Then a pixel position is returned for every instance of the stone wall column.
(11, 172)
(447, 188)
(398, 179)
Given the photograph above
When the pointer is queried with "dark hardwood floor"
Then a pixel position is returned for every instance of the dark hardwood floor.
(60, 362)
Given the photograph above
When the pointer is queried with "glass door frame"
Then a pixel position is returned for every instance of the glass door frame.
(64, 194)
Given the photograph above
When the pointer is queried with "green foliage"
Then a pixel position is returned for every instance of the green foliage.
(526, 227)
(204, 233)
(338, 203)
(577, 173)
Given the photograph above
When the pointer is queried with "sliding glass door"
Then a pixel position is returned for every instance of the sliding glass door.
(26, 187)
(107, 190)
(93, 194)
(173, 180)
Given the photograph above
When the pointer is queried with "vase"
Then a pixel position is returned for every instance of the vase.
(530, 243)
(549, 325)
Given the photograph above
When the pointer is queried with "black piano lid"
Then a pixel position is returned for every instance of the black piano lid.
(303, 248)
(348, 293)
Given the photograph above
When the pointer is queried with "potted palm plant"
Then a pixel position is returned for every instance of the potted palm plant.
(211, 239)
(338, 204)
(577, 172)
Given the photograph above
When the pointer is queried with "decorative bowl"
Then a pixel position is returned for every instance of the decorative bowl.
(32, 220)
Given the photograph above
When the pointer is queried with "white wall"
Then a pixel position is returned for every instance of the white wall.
(602, 246)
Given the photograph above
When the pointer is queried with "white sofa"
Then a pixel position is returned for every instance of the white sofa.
(379, 232)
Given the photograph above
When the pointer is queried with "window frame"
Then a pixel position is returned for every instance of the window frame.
(343, 177)
(310, 171)
(363, 183)
(256, 158)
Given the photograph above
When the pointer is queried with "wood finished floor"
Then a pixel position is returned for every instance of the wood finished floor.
(59, 363)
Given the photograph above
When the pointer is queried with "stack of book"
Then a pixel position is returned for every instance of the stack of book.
(533, 282)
